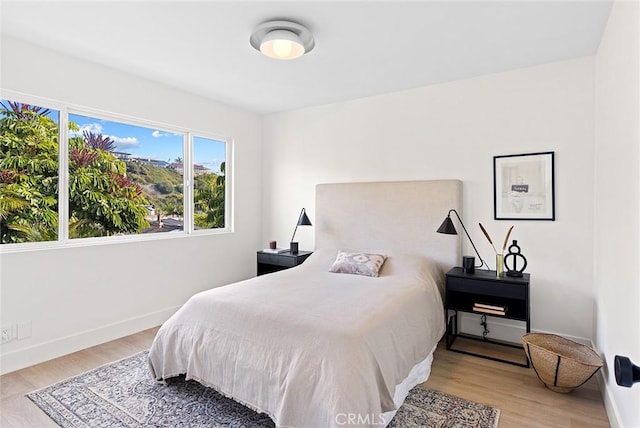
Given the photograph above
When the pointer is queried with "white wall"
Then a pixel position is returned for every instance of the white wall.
(617, 205)
(453, 131)
(78, 297)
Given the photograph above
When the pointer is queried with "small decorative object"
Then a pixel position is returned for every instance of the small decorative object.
(561, 364)
(448, 228)
(272, 245)
(513, 254)
(499, 256)
(499, 265)
(303, 220)
(468, 264)
(523, 187)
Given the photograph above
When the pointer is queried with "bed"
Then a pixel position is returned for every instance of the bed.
(313, 348)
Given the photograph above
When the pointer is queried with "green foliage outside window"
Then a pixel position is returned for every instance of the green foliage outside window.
(102, 200)
(28, 174)
(107, 196)
(162, 187)
(209, 199)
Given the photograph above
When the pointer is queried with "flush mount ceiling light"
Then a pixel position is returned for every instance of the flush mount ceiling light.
(282, 39)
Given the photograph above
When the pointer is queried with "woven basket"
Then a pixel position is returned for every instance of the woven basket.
(561, 364)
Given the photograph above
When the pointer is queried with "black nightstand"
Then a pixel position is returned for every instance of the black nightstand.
(270, 262)
(483, 293)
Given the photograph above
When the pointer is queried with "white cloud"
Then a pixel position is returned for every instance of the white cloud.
(124, 141)
(96, 128)
(158, 134)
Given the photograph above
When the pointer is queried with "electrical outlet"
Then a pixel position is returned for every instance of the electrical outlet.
(23, 330)
(6, 333)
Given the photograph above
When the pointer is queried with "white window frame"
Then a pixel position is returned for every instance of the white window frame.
(228, 194)
(63, 241)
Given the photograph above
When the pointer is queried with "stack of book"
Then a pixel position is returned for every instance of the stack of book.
(490, 309)
(275, 250)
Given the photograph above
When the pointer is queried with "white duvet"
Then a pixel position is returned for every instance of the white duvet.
(306, 346)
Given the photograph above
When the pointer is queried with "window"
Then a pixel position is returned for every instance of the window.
(209, 183)
(28, 173)
(123, 178)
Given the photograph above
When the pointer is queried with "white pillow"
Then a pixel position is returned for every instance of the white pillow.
(358, 263)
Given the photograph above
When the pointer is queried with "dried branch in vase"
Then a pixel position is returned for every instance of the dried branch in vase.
(506, 238)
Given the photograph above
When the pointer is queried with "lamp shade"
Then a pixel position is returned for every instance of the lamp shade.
(282, 39)
(282, 44)
(447, 227)
(304, 219)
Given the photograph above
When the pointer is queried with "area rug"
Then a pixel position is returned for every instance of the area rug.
(123, 394)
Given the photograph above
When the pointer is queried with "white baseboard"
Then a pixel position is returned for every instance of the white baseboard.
(609, 403)
(499, 328)
(25, 357)
(504, 329)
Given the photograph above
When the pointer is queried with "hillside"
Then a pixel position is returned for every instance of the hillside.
(163, 187)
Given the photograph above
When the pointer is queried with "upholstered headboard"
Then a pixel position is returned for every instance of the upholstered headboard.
(400, 216)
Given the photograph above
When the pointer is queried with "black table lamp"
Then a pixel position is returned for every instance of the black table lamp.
(303, 220)
(447, 228)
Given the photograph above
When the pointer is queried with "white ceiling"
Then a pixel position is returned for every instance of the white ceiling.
(362, 48)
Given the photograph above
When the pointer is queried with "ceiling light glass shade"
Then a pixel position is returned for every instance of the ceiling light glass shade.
(282, 39)
(282, 44)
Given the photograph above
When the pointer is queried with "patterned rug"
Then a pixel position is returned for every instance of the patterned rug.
(123, 394)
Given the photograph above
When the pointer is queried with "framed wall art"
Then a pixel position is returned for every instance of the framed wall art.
(523, 187)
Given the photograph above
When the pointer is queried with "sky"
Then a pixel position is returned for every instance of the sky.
(153, 143)
(149, 143)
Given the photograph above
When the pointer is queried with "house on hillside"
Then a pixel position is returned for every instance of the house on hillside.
(122, 156)
(153, 162)
(197, 169)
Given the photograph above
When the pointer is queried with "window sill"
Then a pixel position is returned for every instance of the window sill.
(107, 240)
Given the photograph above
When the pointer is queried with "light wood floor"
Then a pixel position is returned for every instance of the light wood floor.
(516, 391)
(523, 400)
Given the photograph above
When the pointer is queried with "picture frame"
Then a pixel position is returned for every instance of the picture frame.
(524, 187)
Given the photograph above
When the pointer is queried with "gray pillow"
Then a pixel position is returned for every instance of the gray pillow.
(358, 263)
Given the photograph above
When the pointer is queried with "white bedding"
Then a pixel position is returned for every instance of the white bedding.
(305, 345)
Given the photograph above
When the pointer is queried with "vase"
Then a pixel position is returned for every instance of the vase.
(499, 265)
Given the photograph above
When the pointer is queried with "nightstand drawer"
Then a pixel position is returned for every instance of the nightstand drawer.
(277, 259)
(496, 288)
